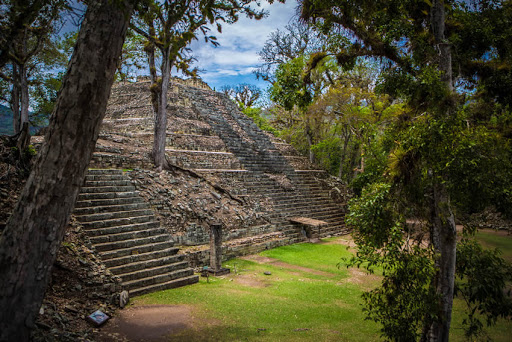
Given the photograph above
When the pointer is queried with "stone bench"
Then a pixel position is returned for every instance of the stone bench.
(310, 227)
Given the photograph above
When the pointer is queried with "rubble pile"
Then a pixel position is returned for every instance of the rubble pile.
(187, 205)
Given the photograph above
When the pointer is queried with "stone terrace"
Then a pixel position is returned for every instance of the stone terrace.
(206, 133)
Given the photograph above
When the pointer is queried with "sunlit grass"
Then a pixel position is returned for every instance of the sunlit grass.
(491, 239)
(292, 303)
(288, 305)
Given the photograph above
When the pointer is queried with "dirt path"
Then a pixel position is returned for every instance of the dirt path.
(153, 323)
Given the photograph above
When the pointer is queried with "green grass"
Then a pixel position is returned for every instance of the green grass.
(291, 304)
(491, 239)
(288, 305)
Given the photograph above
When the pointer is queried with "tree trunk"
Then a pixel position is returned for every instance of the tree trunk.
(36, 227)
(161, 113)
(344, 152)
(444, 234)
(309, 138)
(24, 95)
(354, 161)
(24, 139)
(444, 239)
(15, 99)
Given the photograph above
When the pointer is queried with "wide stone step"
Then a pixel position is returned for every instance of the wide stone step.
(326, 216)
(108, 202)
(192, 279)
(130, 235)
(147, 264)
(311, 209)
(103, 183)
(161, 278)
(301, 200)
(114, 215)
(117, 222)
(124, 228)
(132, 243)
(106, 195)
(97, 189)
(104, 172)
(156, 271)
(140, 256)
(135, 250)
(110, 208)
(106, 177)
(336, 221)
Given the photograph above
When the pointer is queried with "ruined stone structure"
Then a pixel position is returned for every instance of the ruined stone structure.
(261, 190)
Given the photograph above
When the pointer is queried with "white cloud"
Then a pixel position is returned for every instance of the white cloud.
(240, 43)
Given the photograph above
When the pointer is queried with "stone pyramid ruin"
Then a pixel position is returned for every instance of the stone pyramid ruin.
(225, 171)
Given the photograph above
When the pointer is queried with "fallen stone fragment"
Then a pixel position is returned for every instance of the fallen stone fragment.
(124, 297)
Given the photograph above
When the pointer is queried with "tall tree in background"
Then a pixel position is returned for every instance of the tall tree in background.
(284, 45)
(14, 18)
(27, 43)
(420, 41)
(245, 95)
(170, 26)
(34, 231)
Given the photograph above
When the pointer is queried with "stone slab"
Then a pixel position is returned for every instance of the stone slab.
(308, 221)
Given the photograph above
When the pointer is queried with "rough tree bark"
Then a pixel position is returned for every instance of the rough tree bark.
(444, 234)
(161, 111)
(24, 98)
(33, 233)
(345, 137)
(15, 99)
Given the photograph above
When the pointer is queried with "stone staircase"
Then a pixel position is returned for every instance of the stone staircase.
(259, 155)
(124, 231)
(208, 134)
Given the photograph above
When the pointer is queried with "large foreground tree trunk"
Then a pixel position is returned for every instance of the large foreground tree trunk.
(36, 227)
(444, 238)
(444, 234)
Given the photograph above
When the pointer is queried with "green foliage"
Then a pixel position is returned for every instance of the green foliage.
(31, 151)
(482, 278)
(406, 299)
(289, 90)
(328, 154)
(473, 160)
(256, 114)
(373, 219)
(44, 95)
(133, 57)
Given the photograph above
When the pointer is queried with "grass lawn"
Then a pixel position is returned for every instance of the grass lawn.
(305, 298)
(492, 239)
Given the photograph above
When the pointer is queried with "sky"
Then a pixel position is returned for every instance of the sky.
(234, 61)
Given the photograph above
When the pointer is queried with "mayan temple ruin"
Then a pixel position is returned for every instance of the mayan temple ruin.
(151, 229)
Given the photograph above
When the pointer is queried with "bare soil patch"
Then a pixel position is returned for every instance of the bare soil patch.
(249, 280)
(345, 240)
(148, 323)
(265, 260)
(365, 280)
